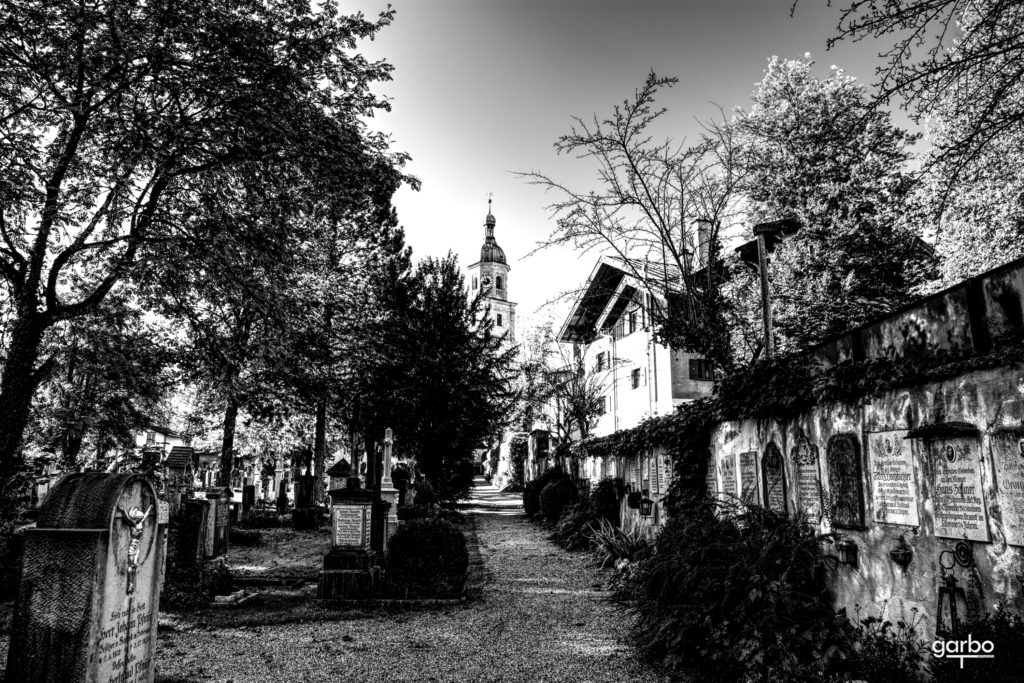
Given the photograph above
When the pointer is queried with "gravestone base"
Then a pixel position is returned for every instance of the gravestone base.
(349, 559)
(349, 584)
(306, 518)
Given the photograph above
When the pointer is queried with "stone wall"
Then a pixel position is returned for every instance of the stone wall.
(935, 466)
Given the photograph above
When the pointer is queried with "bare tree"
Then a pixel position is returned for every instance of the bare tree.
(651, 198)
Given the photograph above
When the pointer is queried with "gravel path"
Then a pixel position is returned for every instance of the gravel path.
(538, 615)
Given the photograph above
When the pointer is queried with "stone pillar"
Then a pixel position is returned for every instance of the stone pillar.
(248, 502)
(88, 601)
(388, 492)
(350, 570)
(191, 537)
(220, 524)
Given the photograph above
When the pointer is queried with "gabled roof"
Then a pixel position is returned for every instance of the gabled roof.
(179, 458)
(607, 292)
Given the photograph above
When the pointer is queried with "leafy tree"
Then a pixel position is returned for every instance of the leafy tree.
(113, 115)
(959, 60)
(818, 152)
(442, 380)
(112, 377)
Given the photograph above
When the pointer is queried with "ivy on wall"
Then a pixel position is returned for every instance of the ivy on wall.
(780, 389)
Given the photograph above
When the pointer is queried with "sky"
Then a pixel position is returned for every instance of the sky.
(483, 88)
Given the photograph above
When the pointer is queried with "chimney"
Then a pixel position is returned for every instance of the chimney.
(703, 241)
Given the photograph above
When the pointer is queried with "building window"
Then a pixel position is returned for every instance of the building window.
(634, 378)
(632, 322)
(701, 369)
(150, 438)
(600, 362)
(499, 320)
(498, 280)
(476, 283)
(602, 405)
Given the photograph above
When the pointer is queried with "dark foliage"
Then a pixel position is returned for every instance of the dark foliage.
(888, 653)
(577, 523)
(11, 547)
(738, 593)
(415, 512)
(246, 537)
(427, 558)
(557, 496)
(531, 492)
(1006, 631)
(604, 500)
(190, 586)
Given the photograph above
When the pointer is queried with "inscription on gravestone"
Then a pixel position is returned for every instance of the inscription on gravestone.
(808, 478)
(955, 466)
(844, 481)
(1008, 458)
(350, 525)
(727, 465)
(774, 479)
(893, 487)
(748, 477)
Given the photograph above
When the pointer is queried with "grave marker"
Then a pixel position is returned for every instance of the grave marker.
(956, 491)
(748, 477)
(1008, 458)
(808, 478)
(774, 479)
(89, 595)
(846, 490)
(727, 466)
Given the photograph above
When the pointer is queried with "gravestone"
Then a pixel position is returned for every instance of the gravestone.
(1008, 458)
(808, 479)
(711, 477)
(844, 481)
(248, 501)
(220, 513)
(190, 544)
(893, 486)
(350, 570)
(748, 477)
(89, 595)
(774, 474)
(955, 485)
(306, 514)
(727, 466)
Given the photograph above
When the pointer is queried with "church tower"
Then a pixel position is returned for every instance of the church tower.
(489, 277)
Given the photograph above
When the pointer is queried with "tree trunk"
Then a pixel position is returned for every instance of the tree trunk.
(17, 386)
(320, 450)
(372, 480)
(227, 449)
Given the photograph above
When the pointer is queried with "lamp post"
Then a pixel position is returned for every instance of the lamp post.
(787, 225)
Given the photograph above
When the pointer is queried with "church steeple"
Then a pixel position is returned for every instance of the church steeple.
(490, 252)
(489, 278)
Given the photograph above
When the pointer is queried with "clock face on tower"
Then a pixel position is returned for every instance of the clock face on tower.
(486, 282)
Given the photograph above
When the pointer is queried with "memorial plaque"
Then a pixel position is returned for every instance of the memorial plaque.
(351, 525)
(956, 492)
(711, 477)
(893, 487)
(846, 490)
(774, 479)
(748, 477)
(665, 471)
(808, 478)
(1008, 458)
(88, 600)
(727, 465)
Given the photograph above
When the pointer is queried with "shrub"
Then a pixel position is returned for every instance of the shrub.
(887, 652)
(531, 492)
(1006, 631)
(427, 558)
(12, 546)
(612, 544)
(415, 512)
(739, 596)
(425, 494)
(604, 500)
(575, 527)
(556, 496)
(192, 585)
